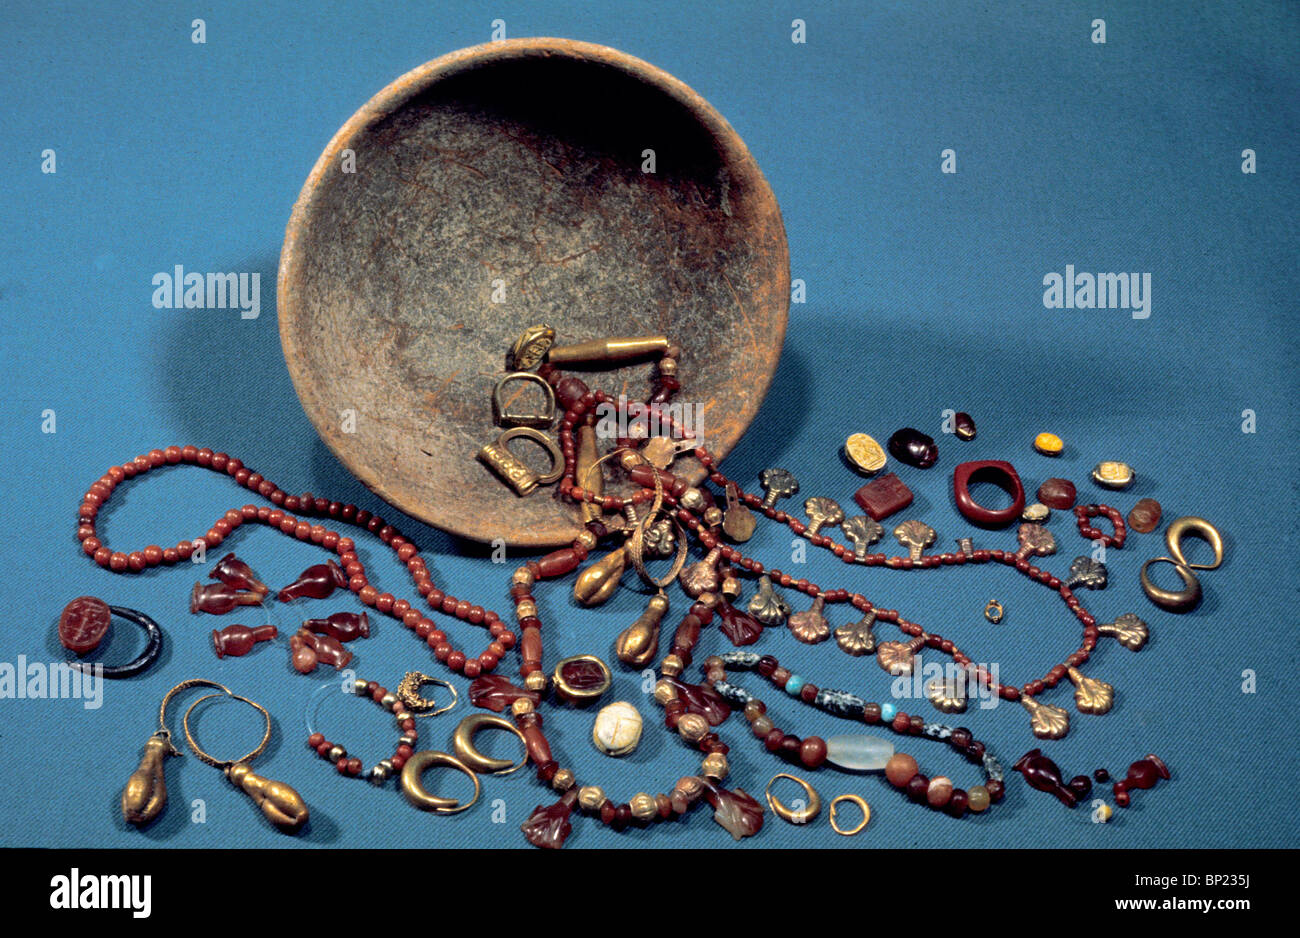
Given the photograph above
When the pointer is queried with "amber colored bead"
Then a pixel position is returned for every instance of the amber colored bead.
(761, 726)
(871, 713)
(978, 799)
(960, 738)
(901, 769)
(773, 740)
(902, 722)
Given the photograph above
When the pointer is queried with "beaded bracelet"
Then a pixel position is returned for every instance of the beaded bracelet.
(351, 766)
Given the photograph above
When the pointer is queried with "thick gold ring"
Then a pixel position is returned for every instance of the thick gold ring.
(862, 806)
(408, 692)
(802, 815)
(462, 742)
(1189, 596)
(418, 795)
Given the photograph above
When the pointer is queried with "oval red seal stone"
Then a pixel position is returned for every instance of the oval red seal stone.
(83, 624)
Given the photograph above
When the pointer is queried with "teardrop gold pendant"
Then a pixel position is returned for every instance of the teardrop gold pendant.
(639, 642)
(145, 794)
(599, 581)
(280, 803)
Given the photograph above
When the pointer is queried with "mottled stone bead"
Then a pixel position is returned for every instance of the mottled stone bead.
(978, 799)
(939, 791)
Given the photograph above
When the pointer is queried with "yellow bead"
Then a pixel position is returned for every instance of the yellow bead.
(1049, 444)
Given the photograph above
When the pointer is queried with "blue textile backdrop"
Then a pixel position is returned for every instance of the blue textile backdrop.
(924, 292)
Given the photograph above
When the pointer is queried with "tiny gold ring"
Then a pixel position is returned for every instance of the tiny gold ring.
(811, 809)
(993, 611)
(862, 806)
(418, 795)
(462, 742)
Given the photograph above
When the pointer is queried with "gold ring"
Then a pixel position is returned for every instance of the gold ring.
(862, 806)
(408, 692)
(993, 611)
(793, 815)
(223, 763)
(418, 795)
(462, 742)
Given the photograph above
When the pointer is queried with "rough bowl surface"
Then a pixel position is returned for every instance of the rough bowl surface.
(502, 186)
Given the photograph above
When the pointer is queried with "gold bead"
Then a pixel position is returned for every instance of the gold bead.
(692, 499)
(664, 692)
(535, 681)
(643, 806)
(731, 587)
(522, 577)
(715, 765)
(671, 666)
(525, 609)
(563, 780)
(707, 599)
(591, 797)
(713, 516)
(521, 706)
(630, 459)
(668, 366)
(692, 727)
(587, 539)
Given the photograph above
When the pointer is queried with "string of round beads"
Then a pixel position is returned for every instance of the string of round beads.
(385, 768)
(1082, 514)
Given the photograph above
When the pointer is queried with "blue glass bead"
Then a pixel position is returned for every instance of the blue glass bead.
(793, 686)
(887, 712)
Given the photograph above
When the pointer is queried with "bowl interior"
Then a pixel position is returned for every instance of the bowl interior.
(505, 187)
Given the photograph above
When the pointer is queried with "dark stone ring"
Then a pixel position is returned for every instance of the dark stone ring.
(1000, 473)
(152, 648)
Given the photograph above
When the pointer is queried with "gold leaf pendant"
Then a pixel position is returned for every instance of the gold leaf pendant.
(1047, 722)
(1090, 694)
(946, 695)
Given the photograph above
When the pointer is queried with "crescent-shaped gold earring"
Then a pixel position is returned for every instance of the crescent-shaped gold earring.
(811, 809)
(462, 742)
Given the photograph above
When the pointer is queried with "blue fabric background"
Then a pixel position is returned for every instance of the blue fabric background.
(923, 293)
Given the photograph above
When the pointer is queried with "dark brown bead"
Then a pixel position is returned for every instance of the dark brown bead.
(918, 787)
(913, 448)
(958, 803)
(963, 425)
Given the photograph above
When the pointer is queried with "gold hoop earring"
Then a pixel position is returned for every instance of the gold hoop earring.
(811, 809)
(418, 795)
(862, 806)
(462, 742)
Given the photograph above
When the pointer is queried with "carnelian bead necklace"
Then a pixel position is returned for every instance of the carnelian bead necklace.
(282, 515)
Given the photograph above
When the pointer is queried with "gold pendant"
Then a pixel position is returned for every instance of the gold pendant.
(280, 803)
(1090, 694)
(1047, 722)
(639, 642)
(145, 794)
(600, 580)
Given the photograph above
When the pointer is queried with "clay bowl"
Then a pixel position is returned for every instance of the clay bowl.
(502, 186)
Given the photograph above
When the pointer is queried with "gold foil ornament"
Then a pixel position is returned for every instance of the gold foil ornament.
(1090, 694)
(1046, 721)
(145, 794)
(600, 580)
(280, 803)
